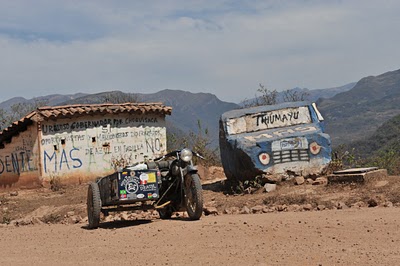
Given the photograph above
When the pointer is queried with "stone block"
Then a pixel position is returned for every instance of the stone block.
(356, 176)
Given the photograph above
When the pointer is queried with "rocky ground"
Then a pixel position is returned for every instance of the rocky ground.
(301, 222)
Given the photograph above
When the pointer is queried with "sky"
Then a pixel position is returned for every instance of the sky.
(222, 47)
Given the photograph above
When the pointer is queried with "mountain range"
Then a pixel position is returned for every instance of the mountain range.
(357, 113)
(189, 109)
(352, 112)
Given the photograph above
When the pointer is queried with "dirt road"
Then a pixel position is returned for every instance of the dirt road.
(367, 236)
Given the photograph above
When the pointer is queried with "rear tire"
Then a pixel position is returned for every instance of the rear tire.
(194, 196)
(93, 205)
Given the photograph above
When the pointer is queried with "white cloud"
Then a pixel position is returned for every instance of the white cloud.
(221, 47)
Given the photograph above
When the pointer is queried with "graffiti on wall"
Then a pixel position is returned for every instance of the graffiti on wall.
(101, 144)
(64, 159)
(274, 140)
(16, 162)
(103, 123)
(18, 158)
(269, 120)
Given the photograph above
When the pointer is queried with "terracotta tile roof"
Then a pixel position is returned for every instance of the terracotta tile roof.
(49, 112)
(76, 110)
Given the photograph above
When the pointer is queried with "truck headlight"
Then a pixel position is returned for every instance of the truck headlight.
(186, 155)
(264, 158)
(315, 148)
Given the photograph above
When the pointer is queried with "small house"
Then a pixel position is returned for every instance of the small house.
(78, 143)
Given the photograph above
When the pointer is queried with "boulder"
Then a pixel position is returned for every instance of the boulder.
(257, 209)
(299, 180)
(269, 187)
(281, 208)
(232, 210)
(320, 181)
(294, 208)
(307, 207)
(14, 193)
(245, 210)
(388, 204)
(341, 205)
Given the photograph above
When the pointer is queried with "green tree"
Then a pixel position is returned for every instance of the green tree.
(3, 118)
(389, 160)
(17, 111)
(197, 141)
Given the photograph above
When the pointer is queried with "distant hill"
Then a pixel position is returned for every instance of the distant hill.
(319, 94)
(56, 99)
(6, 105)
(101, 97)
(385, 138)
(51, 100)
(356, 114)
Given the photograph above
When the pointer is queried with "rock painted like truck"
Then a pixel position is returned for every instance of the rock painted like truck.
(274, 140)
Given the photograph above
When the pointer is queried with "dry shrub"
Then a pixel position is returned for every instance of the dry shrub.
(394, 196)
(5, 217)
(52, 218)
(55, 183)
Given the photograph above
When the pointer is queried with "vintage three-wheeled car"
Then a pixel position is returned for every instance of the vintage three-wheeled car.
(165, 185)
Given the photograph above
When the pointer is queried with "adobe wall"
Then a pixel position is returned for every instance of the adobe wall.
(81, 149)
(19, 160)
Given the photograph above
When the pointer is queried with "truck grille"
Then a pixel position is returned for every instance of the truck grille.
(290, 156)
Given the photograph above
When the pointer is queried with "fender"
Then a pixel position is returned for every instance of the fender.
(191, 169)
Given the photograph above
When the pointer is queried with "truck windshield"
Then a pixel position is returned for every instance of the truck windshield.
(269, 120)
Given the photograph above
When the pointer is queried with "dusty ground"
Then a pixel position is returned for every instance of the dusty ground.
(304, 224)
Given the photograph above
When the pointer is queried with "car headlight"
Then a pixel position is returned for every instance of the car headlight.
(264, 158)
(186, 155)
(315, 148)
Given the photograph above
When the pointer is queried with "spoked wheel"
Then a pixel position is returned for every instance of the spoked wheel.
(194, 196)
(93, 205)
